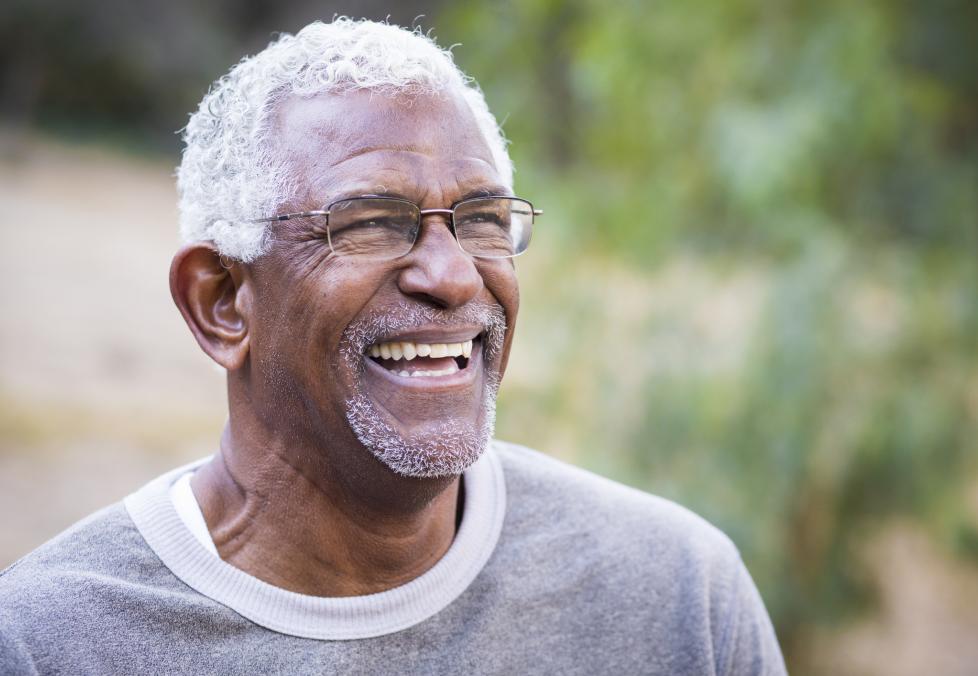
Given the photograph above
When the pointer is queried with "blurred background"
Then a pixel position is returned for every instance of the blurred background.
(753, 291)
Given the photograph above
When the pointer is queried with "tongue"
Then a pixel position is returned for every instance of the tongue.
(419, 364)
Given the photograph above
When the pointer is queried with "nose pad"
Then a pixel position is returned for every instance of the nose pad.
(437, 270)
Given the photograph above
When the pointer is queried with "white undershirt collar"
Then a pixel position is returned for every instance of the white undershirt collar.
(188, 508)
(169, 519)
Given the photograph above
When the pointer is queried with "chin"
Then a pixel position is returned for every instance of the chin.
(444, 448)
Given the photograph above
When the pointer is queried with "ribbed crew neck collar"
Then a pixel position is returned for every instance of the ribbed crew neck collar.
(327, 618)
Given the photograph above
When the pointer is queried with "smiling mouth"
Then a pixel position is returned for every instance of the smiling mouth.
(410, 359)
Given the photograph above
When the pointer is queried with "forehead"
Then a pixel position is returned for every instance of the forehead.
(364, 142)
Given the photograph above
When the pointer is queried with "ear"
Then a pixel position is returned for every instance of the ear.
(214, 300)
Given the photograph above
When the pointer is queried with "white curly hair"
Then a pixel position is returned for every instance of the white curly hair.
(229, 174)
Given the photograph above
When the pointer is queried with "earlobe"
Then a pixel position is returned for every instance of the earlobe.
(215, 301)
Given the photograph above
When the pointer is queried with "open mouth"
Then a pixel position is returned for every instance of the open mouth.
(411, 359)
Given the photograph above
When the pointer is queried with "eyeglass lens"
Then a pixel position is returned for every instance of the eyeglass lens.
(384, 228)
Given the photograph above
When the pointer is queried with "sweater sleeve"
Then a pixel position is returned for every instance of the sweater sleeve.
(749, 645)
(15, 660)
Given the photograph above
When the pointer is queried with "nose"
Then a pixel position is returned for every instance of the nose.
(437, 271)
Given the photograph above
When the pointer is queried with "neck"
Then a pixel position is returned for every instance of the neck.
(285, 514)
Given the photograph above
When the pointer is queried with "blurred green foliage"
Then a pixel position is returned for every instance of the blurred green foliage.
(820, 155)
(753, 289)
(739, 124)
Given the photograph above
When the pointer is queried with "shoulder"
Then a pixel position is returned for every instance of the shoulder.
(66, 602)
(58, 586)
(87, 566)
(90, 543)
(545, 493)
(85, 545)
(609, 551)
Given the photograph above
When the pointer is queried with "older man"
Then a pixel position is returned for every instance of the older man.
(350, 226)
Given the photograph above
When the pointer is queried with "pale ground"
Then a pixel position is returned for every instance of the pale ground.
(102, 387)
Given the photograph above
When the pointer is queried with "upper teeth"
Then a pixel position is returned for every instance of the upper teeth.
(409, 350)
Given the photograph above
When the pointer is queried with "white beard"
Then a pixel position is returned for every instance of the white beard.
(452, 445)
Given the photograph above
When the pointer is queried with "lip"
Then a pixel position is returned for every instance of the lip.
(434, 334)
(464, 378)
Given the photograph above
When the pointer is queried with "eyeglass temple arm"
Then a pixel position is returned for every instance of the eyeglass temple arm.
(288, 217)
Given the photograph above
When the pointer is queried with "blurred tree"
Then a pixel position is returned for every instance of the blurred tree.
(830, 146)
(136, 70)
(740, 123)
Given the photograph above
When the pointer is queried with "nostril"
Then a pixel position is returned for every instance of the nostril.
(432, 300)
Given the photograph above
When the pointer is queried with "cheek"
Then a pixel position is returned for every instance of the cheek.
(500, 280)
(303, 314)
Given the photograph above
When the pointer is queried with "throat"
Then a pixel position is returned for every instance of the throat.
(330, 551)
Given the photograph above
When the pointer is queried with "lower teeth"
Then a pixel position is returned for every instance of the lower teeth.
(426, 374)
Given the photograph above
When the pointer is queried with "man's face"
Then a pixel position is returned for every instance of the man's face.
(318, 317)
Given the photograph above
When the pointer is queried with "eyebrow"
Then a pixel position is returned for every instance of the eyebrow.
(491, 190)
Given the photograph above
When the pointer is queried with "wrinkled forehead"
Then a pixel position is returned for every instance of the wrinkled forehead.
(331, 141)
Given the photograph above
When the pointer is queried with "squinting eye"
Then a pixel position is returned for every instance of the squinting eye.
(486, 217)
(379, 223)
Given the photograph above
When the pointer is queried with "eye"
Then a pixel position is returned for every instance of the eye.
(485, 217)
(493, 227)
(373, 227)
(372, 223)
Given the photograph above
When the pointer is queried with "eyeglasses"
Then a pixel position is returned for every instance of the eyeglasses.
(384, 228)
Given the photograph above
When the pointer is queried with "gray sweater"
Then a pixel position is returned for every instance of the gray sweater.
(553, 570)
